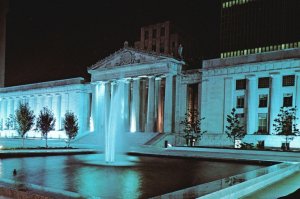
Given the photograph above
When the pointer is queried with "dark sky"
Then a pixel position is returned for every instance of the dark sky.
(57, 39)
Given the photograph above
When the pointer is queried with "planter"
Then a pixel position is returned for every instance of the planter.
(285, 146)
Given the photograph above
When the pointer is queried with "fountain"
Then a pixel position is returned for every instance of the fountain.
(114, 127)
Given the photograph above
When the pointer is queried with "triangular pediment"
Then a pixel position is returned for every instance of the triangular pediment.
(129, 56)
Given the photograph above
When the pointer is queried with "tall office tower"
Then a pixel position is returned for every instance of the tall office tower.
(256, 26)
(3, 12)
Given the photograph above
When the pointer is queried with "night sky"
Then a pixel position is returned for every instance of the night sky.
(58, 39)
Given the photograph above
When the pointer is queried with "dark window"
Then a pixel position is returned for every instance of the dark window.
(263, 122)
(288, 80)
(240, 84)
(161, 47)
(162, 31)
(240, 102)
(263, 101)
(154, 33)
(287, 100)
(146, 34)
(241, 118)
(263, 82)
(153, 47)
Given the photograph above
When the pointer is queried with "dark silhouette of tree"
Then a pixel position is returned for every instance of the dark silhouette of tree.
(192, 127)
(285, 124)
(70, 123)
(234, 129)
(24, 119)
(45, 123)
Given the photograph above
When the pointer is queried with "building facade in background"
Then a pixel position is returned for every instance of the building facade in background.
(256, 26)
(256, 86)
(3, 12)
(166, 38)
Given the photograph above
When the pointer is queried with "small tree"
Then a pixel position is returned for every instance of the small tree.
(10, 122)
(24, 119)
(234, 129)
(70, 123)
(45, 123)
(285, 124)
(192, 127)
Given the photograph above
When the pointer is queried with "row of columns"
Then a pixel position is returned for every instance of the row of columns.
(150, 111)
(58, 103)
(275, 100)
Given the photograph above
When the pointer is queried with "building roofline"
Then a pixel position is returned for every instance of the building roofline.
(48, 84)
(253, 58)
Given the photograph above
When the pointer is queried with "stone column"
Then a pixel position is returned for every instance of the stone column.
(159, 101)
(4, 111)
(297, 101)
(48, 102)
(168, 107)
(228, 100)
(275, 99)
(10, 107)
(151, 103)
(64, 106)
(251, 126)
(135, 106)
(56, 110)
(126, 104)
(183, 105)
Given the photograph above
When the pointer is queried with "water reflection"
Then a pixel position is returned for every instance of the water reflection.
(150, 176)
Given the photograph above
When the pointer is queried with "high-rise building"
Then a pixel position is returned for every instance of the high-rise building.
(255, 26)
(3, 11)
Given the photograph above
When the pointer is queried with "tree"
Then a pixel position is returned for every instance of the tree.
(45, 123)
(234, 129)
(285, 124)
(24, 119)
(10, 122)
(192, 127)
(70, 123)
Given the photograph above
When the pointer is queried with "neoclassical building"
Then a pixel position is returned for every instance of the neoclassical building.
(256, 86)
(156, 92)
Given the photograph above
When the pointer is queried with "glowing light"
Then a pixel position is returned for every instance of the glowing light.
(1, 147)
(132, 124)
(92, 124)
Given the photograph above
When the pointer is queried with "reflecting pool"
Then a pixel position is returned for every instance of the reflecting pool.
(150, 176)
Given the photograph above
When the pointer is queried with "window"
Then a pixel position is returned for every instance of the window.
(162, 31)
(287, 100)
(146, 34)
(288, 80)
(154, 47)
(240, 84)
(262, 122)
(263, 82)
(263, 101)
(161, 47)
(240, 102)
(154, 33)
(241, 118)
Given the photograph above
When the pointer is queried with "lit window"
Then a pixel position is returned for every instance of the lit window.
(288, 80)
(263, 101)
(263, 82)
(262, 122)
(240, 84)
(240, 100)
(287, 100)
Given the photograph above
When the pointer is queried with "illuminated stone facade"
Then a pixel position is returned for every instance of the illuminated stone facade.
(256, 86)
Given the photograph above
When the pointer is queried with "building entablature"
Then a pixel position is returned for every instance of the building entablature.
(269, 66)
(253, 58)
(46, 88)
